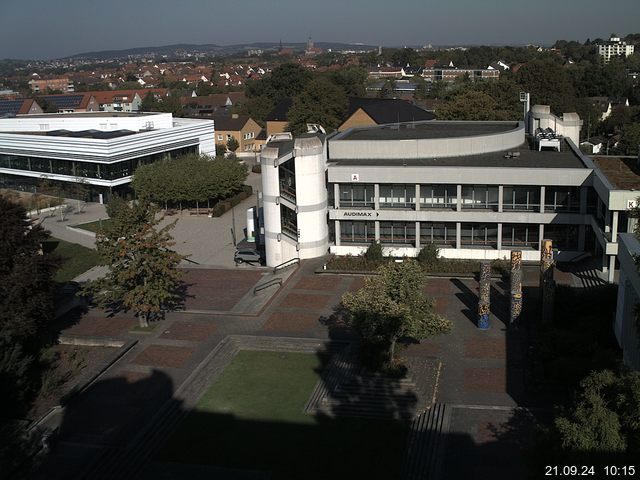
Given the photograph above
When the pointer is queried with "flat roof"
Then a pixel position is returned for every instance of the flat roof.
(89, 114)
(622, 172)
(98, 134)
(427, 130)
(528, 159)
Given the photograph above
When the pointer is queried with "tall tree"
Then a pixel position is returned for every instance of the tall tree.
(320, 102)
(142, 273)
(549, 84)
(391, 305)
(232, 144)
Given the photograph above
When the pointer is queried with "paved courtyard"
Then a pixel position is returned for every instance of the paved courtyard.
(481, 377)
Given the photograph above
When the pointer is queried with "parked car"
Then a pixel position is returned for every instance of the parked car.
(247, 255)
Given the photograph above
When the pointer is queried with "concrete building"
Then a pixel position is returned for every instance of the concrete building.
(99, 149)
(614, 48)
(626, 326)
(52, 84)
(477, 190)
(451, 73)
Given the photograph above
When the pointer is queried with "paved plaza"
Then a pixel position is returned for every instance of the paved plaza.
(481, 378)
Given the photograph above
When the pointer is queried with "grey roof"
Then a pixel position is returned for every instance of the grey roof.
(388, 110)
(427, 130)
(226, 123)
(527, 159)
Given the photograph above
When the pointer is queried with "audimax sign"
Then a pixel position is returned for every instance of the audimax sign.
(360, 214)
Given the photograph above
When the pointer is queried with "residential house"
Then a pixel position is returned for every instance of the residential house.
(20, 106)
(208, 105)
(241, 127)
(125, 100)
(614, 48)
(56, 84)
(367, 112)
(73, 102)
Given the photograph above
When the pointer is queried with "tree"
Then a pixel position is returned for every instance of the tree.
(232, 144)
(549, 84)
(630, 140)
(320, 102)
(605, 419)
(387, 89)
(142, 273)
(26, 302)
(390, 306)
(471, 105)
(149, 103)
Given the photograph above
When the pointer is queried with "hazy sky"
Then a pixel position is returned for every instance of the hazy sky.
(50, 29)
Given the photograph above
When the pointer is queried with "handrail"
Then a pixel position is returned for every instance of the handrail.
(192, 261)
(286, 264)
(267, 284)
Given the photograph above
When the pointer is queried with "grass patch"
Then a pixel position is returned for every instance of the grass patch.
(252, 418)
(76, 259)
(150, 328)
(94, 226)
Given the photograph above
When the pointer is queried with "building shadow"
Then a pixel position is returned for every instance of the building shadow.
(469, 299)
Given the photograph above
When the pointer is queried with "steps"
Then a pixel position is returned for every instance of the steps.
(426, 443)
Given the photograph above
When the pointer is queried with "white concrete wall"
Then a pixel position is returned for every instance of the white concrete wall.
(463, 253)
(271, 209)
(84, 121)
(628, 298)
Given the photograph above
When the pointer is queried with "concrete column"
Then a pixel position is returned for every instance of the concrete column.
(377, 233)
(459, 198)
(417, 196)
(336, 195)
(614, 227)
(337, 232)
(607, 221)
(582, 229)
(418, 235)
(542, 193)
(612, 268)
(499, 236)
(540, 235)
(376, 196)
(583, 200)
(605, 265)
(458, 235)
(500, 202)
(484, 295)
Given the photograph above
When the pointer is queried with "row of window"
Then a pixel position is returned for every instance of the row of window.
(471, 234)
(484, 197)
(111, 171)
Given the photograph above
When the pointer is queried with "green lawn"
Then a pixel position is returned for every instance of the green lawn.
(252, 418)
(76, 259)
(93, 226)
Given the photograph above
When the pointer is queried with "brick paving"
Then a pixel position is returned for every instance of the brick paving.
(292, 322)
(213, 289)
(102, 326)
(304, 300)
(485, 348)
(491, 380)
(318, 283)
(164, 356)
(188, 331)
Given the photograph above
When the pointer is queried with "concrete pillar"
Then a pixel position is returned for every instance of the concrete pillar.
(607, 221)
(540, 236)
(500, 200)
(605, 264)
(459, 198)
(583, 200)
(612, 268)
(542, 200)
(376, 196)
(417, 196)
(499, 236)
(418, 235)
(547, 283)
(614, 227)
(336, 195)
(516, 287)
(377, 232)
(458, 235)
(337, 232)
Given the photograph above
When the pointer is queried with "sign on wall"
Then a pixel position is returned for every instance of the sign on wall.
(355, 177)
(631, 204)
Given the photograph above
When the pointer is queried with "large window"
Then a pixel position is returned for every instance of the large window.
(397, 196)
(289, 222)
(521, 198)
(480, 196)
(564, 237)
(287, 172)
(398, 233)
(520, 235)
(562, 199)
(356, 195)
(438, 196)
(479, 235)
(357, 232)
(440, 234)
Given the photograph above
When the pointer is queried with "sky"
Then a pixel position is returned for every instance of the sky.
(43, 29)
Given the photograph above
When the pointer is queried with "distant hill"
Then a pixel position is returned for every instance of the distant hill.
(211, 49)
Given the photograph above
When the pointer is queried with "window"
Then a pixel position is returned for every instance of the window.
(440, 234)
(220, 137)
(479, 234)
(287, 172)
(356, 195)
(480, 197)
(521, 199)
(228, 137)
(398, 233)
(564, 237)
(397, 196)
(357, 232)
(438, 196)
(520, 235)
(289, 222)
(562, 199)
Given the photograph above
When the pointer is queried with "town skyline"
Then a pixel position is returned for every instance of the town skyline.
(57, 34)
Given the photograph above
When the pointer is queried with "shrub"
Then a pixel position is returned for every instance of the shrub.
(428, 255)
(374, 252)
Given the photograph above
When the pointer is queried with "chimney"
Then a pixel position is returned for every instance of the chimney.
(234, 115)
